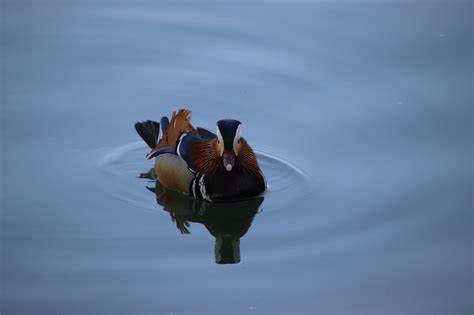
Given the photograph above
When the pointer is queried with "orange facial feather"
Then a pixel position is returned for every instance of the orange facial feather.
(247, 160)
(206, 159)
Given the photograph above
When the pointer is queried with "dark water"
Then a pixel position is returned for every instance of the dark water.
(362, 114)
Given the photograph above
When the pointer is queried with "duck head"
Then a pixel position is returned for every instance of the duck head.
(228, 143)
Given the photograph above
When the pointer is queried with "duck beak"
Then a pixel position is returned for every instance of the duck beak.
(228, 157)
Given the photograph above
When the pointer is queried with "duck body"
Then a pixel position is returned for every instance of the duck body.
(216, 167)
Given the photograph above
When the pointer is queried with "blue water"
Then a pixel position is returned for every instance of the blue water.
(361, 112)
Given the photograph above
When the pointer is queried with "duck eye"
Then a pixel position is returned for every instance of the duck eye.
(238, 141)
(218, 142)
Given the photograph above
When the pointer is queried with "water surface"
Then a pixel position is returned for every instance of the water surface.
(363, 109)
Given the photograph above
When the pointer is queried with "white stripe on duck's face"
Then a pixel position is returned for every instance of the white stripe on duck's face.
(235, 143)
(220, 142)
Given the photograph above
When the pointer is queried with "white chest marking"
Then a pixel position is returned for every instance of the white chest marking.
(202, 188)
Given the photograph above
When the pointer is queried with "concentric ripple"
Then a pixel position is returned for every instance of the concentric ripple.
(286, 182)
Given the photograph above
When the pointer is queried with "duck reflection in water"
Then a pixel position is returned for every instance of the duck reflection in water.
(227, 222)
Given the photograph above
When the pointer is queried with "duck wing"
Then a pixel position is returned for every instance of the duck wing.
(183, 148)
(185, 145)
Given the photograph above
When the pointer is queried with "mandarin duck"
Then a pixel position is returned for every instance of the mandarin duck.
(216, 167)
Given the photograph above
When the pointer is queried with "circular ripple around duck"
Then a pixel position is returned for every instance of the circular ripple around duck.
(286, 182)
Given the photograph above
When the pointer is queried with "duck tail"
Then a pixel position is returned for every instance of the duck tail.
(149, 131)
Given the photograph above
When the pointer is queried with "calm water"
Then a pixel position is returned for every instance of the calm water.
(361, 114)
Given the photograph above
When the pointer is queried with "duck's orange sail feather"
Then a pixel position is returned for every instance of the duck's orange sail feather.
(180, 122)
